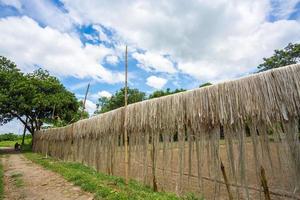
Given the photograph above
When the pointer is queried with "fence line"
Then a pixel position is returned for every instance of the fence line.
(248, 123)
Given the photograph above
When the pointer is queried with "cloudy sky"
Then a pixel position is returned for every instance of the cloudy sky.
(172, 43)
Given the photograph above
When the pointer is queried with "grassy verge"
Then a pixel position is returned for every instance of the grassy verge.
(102, 185)
(1, 182)
(27, 142)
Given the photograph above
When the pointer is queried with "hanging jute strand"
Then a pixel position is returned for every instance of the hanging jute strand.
(177, 142)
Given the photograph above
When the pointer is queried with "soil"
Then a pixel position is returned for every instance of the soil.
(37, 182)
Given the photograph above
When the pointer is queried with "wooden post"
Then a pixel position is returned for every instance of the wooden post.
(226, 181)
(84, 101)
(153, 157)
(125, 120)
(264, 183)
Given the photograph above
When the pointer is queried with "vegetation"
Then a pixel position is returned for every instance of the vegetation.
(287, 56)
(102, 185)
(106, 104)
(12, 137)
(25, 147)
(35, 98)
(205, 84)
(160, 93)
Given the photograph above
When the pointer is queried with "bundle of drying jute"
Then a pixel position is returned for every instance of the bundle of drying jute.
(221, 141)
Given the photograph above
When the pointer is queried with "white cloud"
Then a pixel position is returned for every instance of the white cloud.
(90, 107)
(14, 3)
(156, 82)
(111, 59)
(283, 8)
(154, 62)
(48, 14)
(60, 53)
(231, 36)
(45, 12)
(96, 96)
(104, 93)
(102, 36)
(80, 85)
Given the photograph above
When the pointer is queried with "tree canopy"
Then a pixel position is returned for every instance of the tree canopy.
(205, 84)
(37, 96)
(168, 91)
(287, 56)
(117, 100)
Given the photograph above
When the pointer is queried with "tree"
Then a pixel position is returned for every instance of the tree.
(205, 84)
(37, 96)
(118, 100)
(168, 91)
(287, 56)
(56, 121)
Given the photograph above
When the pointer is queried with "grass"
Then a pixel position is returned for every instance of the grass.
(101, 185)
(1, 182)
(27, 141)
(18, 181)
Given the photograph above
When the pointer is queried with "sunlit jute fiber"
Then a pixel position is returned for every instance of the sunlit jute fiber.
(177, 142)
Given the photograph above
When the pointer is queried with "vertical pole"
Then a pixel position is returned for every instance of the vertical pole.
(226, 181)
(264, 183)
(83, 106)
(125, 120)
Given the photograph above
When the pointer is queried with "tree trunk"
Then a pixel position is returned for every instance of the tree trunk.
(24, 132)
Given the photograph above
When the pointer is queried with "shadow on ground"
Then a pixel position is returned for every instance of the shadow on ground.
(8, 150)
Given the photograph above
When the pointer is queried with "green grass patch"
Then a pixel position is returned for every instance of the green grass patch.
(18, 181)
(12, 143)
(1, 182)
(101, 185)
(25, 147)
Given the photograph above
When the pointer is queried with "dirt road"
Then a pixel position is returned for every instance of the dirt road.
(26, 180)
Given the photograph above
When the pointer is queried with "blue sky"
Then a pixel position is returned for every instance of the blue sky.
(172, 44)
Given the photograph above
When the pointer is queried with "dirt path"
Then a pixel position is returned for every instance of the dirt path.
(26, 180)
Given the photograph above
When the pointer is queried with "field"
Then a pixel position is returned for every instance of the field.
(27, 141)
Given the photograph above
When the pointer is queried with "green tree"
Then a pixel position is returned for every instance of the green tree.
(287, 56)
(56, 121)
(118, 100)
(168, 91)
(205, 84)
(37, 96)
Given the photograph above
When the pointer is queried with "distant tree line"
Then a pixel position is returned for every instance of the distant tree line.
(12, 137)
(117, 100)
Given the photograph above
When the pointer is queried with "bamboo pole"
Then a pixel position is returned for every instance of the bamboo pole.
(226, 181)
(84, 101)
(264, 183)
(125, 120)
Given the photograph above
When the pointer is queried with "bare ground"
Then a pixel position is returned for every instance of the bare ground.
(35, 182)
